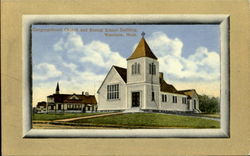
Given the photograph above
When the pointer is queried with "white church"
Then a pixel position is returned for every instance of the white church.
(142, 88)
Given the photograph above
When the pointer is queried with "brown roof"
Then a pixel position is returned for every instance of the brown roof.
(189, 92)
(142, 50)
(43, 103)
(65, 98)
(122, 72)
(165, 87)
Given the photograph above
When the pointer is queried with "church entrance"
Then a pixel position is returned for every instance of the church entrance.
(135, 99)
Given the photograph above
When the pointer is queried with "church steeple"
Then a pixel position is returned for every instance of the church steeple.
(57, 88)
(142, 50)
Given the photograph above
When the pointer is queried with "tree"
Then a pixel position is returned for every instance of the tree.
(208, 104)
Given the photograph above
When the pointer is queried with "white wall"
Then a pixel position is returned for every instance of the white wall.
(144, 76)
(149, 103)
(149, 77)
(113, 104)
(135, 88)
(135, 78)
(169, 105)
(50, 99)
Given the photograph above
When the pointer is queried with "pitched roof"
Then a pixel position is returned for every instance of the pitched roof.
(142, 50)
(165, 87)
(189, 92)
(122, 72)
(66, 98)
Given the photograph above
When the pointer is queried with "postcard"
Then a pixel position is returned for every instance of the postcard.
(146, 76)
(125, 78)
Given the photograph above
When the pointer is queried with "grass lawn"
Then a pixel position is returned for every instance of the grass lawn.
(215, 115)
(148, 120)
(50, 117)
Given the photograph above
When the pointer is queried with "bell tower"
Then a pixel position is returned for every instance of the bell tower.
(143, 77)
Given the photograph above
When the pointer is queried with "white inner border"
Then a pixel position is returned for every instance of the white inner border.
(222, 20)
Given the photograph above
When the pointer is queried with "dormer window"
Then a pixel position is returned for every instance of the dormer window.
(136, 68)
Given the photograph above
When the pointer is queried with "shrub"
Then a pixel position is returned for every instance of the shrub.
(208, 104)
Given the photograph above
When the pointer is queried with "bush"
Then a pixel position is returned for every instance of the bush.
(208, 104)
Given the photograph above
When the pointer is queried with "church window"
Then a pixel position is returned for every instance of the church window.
(133, 69)
(174, 99)
(184, 100)
(113, 91)
(136, 68)
(153, 96)
(152, 69)
(164, 98)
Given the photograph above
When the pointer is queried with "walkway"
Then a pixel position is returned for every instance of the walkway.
(87, 117)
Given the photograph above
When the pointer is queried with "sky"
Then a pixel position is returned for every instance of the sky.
(80, 56)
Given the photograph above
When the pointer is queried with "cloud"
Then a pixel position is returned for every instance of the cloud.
(202, 65)
(96, 53)
(59, 45)
(76, 66)
(45, 71)
(161, 44)
(101, 55)
(71, 42)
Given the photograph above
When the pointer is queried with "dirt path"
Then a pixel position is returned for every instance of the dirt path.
(87, 117)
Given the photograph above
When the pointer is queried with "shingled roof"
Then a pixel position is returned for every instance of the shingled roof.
(165, 87)
(188, 92)
(66, 98)
(142, 50)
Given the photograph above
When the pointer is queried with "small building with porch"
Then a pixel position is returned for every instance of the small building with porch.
(71, 102)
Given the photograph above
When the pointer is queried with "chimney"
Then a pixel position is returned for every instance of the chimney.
(161, 75)
(82, 92)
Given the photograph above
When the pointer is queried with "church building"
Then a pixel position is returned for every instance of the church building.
(141, 87)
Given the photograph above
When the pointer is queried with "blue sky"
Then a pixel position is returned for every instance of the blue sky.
(188, 56)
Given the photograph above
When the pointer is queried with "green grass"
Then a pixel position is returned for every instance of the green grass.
(148, 120)
(215, 115)
(50, 117)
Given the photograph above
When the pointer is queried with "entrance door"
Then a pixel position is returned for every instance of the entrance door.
(135, 99)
